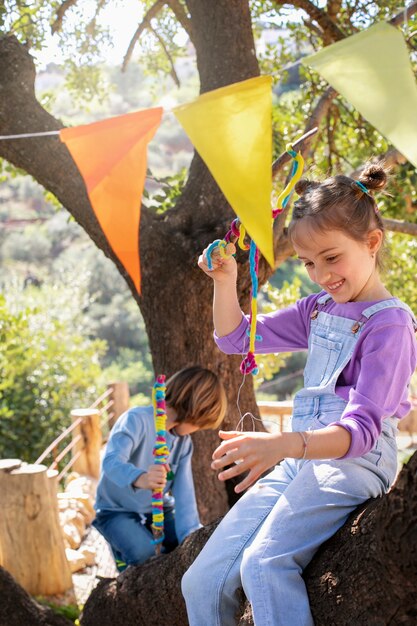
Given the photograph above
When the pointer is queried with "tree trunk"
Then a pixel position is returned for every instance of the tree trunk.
(365, 575)
(176, 295)
(17, 608)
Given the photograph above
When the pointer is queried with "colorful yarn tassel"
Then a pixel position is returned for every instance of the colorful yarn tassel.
(161, 453)
(249, 365)
(237, 232)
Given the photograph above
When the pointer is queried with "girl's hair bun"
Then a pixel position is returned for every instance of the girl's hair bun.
(374, 176)
(304, 185)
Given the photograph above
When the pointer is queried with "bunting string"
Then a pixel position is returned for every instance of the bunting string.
(370, 69)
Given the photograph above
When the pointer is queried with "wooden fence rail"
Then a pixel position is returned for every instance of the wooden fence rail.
(82, 453)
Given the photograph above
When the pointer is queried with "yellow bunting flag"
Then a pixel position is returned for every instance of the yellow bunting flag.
(372, 71)
(111, 156)
(231, 128)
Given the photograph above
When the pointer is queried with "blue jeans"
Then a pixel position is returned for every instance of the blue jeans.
(130, 536)
(270, 535)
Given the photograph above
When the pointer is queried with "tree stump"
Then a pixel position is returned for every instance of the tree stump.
(31, 542)
(88, 447)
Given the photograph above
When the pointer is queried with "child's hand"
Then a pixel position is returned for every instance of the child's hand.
(253, 452)
(224, 269)
(154, 478)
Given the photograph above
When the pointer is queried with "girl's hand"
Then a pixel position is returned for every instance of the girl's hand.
(223, 269)
(154, 478)
(253, 452)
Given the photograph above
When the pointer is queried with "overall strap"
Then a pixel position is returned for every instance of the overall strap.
(393, 303)
(320, 303)
(324, 298)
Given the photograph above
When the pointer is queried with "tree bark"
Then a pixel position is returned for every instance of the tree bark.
(17, 608)
(365, 575)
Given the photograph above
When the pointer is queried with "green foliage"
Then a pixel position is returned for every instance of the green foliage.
(168, 192)
(273, 300)
(70, 611)
(27, 20)
(138, 374)
(292, 271)
(47, 367)
(400, 270)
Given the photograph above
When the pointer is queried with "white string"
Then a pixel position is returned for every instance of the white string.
(254, 419)
(26, 135)
(286, 68)
(56, 132)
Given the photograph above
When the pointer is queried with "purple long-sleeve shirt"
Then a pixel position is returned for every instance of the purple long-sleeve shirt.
(374, 382)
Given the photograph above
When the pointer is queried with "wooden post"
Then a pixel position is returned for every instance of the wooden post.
(87, 449)
(31, 543)
(121, 400)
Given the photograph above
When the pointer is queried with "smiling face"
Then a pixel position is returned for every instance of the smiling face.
(343, 267)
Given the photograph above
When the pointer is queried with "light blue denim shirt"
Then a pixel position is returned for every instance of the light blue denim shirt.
(129, 454)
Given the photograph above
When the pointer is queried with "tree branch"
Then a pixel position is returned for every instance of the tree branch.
(398, 20)
(145, 23)
(330, 31)
(182, 17)
(397, 226)
(173, 73)
(57, 25)
(300, 144)
(333, 8)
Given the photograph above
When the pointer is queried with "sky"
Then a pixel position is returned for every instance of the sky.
(121, 17)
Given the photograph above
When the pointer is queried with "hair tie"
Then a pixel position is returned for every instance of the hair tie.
(366, 190)
(362, 187)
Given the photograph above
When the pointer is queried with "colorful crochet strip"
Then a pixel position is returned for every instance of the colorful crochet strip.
(161, 453)
(296, 173)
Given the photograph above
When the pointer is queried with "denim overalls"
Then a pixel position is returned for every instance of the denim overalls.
(271, 534)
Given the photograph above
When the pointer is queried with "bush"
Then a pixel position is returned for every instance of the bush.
(46, 369)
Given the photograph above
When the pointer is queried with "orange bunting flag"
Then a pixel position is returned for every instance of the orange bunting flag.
(112, 156)
(231, 128)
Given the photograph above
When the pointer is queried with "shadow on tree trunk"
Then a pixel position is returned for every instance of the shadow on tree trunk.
(17, 607)
(366, 574)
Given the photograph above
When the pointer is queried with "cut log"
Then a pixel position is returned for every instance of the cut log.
(31, 542)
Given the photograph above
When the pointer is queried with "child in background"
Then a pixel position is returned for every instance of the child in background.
(195, 400)
(342, 448)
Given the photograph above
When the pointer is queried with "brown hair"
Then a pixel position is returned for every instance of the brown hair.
(197, 396)
(339, 203)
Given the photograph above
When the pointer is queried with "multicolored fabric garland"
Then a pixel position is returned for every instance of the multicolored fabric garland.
(161, 454)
